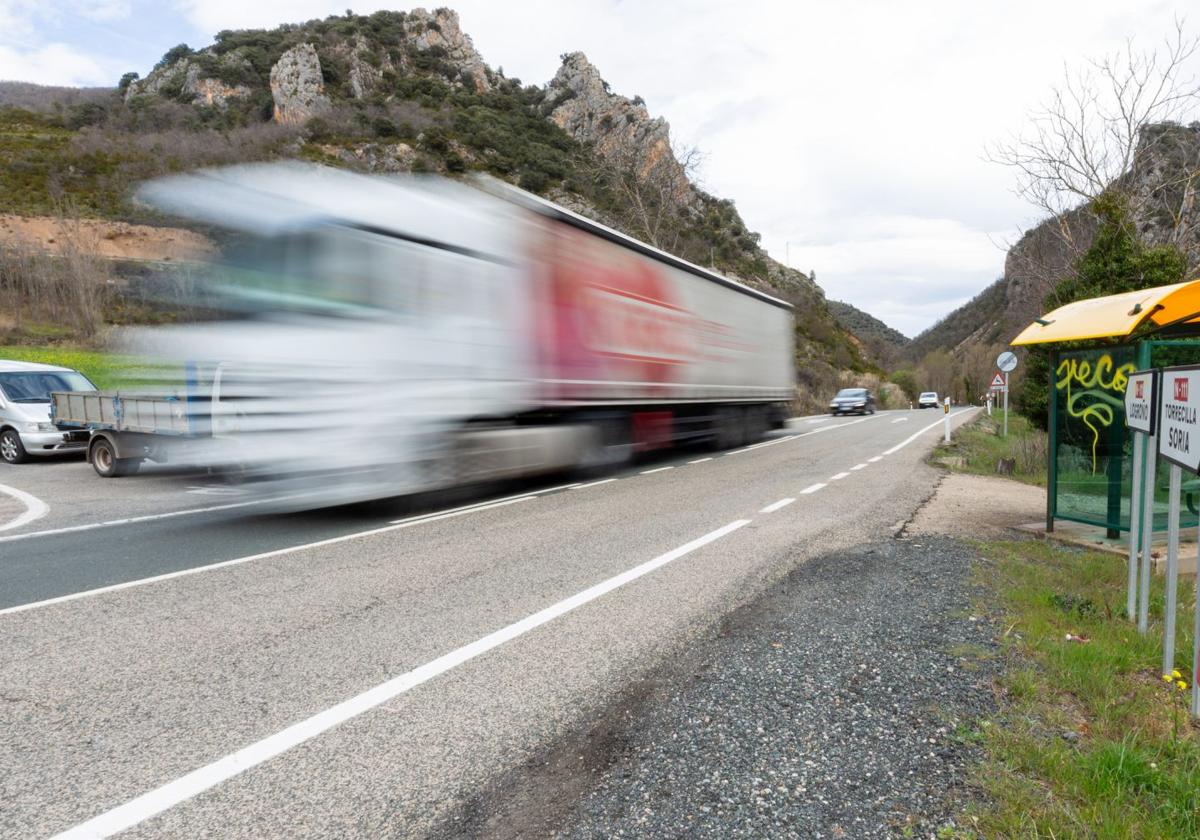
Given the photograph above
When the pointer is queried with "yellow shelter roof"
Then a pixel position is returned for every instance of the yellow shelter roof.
(1115, 316)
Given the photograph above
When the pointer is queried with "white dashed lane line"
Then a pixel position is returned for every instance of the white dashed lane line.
(656, 470)
(876, 458)
(593, 484)
(839, 476)
(774, 506)
(700, 460)
(858, 467)
(812, 488)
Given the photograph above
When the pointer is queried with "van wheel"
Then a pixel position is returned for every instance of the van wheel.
(12, 451)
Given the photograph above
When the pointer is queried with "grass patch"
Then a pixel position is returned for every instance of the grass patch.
(1089, 741)
(978, 447)
(106, 370)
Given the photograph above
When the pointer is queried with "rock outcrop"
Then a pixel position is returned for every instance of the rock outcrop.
(439, 32)
(188, 80)
(297, 86)
(620, 130)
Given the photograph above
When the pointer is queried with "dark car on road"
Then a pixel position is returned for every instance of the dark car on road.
(852, 401)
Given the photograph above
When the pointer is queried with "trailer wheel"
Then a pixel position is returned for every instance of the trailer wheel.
(106, 463)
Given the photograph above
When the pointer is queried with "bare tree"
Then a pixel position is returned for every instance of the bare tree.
(654, 187)
(1093, 132)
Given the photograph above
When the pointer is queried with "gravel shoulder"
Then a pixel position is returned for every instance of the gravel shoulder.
(841, 704)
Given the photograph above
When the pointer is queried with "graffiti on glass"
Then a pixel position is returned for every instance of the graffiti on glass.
(1094, 392)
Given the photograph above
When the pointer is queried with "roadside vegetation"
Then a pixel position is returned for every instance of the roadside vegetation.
(1090, 740)
(980, 449)
(106, 370)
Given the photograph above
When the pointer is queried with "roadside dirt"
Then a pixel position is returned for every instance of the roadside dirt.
(976, 506)
(112, 240)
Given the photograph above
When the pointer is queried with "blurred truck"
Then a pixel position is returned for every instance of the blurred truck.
(378, 336)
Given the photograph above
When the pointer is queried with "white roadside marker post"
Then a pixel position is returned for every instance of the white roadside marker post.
(946, 409)
(1141, 415)
(1172, 571)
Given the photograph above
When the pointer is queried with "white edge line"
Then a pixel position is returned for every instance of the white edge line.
(35, 508)
(858, 467)
(592, 484)
(876, 458)
(656, 470)
(920, 432)
(167, 796)
(839, 476)
(699, 460)
(812, 488)
(774, 506)
(277, 552)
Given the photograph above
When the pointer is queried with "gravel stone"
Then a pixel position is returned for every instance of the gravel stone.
(834, 707)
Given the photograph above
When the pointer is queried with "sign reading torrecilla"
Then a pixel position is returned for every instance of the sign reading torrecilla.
(1179, 405)
(1140, 401)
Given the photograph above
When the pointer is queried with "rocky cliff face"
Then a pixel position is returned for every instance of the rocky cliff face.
(362, 61)
(620, 130)
(1163, 187)
(297, 86)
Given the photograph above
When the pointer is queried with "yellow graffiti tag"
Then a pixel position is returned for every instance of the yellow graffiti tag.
(1095, 404)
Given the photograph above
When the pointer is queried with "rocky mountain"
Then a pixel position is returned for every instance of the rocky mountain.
(1163, 188)
(882, 342)
(397, 92)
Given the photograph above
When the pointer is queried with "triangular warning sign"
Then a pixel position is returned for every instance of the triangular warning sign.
(998, 380)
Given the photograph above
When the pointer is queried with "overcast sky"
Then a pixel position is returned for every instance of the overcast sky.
(851, 135)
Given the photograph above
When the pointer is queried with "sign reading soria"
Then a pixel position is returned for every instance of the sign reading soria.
(1179, 408)
(1140, 401)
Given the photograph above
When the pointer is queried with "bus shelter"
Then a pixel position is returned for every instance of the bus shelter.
(1093, 346)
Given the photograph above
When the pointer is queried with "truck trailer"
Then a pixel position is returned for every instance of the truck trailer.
(383, 335)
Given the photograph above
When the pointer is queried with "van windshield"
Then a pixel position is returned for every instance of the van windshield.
(34, 386)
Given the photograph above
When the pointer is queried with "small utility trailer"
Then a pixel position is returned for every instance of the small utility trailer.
(126, 429)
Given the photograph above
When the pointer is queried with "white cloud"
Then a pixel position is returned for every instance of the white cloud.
(55, 64)
(104, 10)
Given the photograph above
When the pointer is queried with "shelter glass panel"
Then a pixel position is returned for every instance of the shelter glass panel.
(1091, 446)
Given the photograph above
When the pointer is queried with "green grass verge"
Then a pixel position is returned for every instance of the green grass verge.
(977, 447)
(1089, 741)
(107, 370)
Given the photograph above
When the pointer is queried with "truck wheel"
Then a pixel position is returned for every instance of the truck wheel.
(106, 463)
(12, 451)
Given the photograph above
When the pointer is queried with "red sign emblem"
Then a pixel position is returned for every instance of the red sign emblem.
(1137, 389)
(1181, 389)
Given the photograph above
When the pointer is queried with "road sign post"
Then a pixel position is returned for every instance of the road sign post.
(1141, 413)
(1000, 384)
(1179, 443)
(1007, 362)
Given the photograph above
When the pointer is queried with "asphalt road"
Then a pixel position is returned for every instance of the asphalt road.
(364, 672)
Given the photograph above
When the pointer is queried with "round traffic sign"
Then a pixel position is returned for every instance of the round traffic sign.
(1006, 361)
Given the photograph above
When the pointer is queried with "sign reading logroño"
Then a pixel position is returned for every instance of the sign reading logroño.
(1141, 401)
(1179, 407)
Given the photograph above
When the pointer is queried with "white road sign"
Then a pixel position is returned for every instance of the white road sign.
(1140, 401)
(1007, 361)
(999, 382)
(1179, 406)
